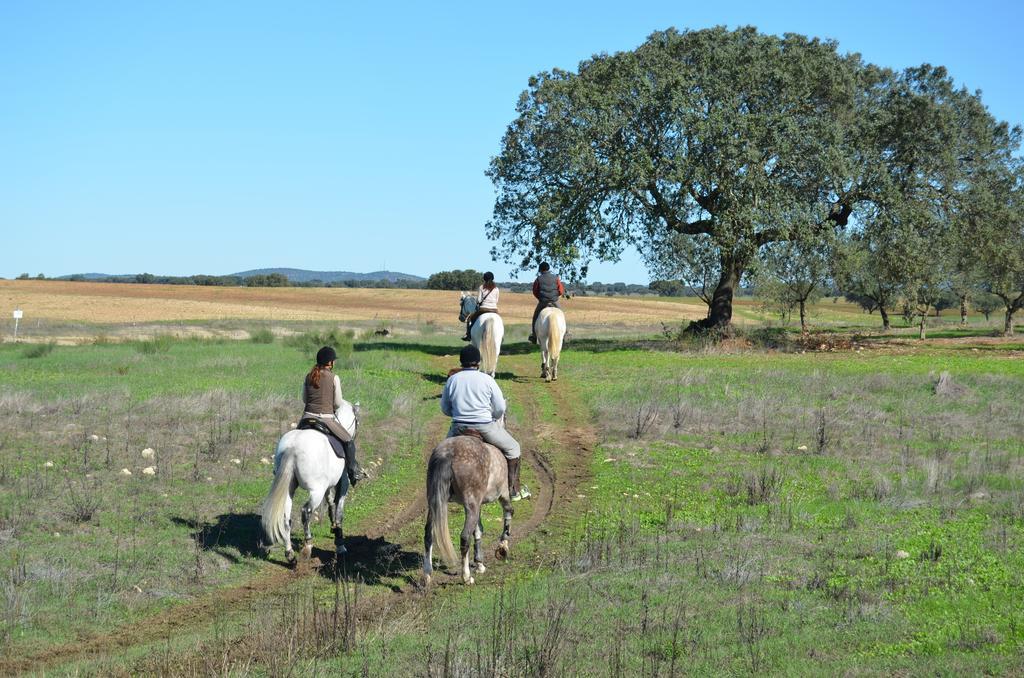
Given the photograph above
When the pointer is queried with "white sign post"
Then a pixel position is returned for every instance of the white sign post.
(17, 316)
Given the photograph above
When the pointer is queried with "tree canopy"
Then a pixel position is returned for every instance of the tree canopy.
(703, 148)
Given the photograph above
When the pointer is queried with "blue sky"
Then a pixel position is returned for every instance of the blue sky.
(180, 138)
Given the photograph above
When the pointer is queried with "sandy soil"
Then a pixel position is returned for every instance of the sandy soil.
(123, 303)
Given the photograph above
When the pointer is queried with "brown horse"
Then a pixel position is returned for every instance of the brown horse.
(469, 471)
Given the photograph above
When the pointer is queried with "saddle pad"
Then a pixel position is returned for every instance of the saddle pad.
(317, 425)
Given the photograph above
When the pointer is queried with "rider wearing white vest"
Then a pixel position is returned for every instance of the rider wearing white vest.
(474, 401)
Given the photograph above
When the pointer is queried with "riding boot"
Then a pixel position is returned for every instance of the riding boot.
(513, 475)
(516, 491)
(469, 324)
(355, 472)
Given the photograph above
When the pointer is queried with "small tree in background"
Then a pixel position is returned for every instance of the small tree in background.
(792, 275)
(468, 279)
(986, 303)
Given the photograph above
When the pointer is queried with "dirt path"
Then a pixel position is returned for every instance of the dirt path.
(558, 454)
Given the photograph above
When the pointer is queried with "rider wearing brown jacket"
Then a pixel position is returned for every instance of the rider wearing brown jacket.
(321, 396)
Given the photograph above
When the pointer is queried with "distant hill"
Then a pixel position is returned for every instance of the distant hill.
(299, 275)
(295, 275)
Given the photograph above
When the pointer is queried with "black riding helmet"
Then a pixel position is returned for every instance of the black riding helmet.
(469, 356)
(326, 355)
(488, 277)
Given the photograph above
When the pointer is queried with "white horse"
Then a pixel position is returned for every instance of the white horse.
(486, 334)
(304, 457)
(550, 331)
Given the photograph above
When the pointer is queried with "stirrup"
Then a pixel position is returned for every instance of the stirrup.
(523, 493)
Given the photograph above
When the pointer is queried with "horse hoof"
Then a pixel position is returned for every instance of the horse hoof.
(480, 569)
(290, 557)
(307, 551)
(470, 581)
(426, 581)
(341, 550)
(501, 553)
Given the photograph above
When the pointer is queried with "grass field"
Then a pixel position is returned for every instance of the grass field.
(698, 509)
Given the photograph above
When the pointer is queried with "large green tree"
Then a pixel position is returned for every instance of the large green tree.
(723, 140)
(703, 148)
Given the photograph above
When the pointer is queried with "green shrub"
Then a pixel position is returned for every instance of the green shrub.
(310, 342)
(769, 337)
(261, 336)
(158, 344)
(38, 350)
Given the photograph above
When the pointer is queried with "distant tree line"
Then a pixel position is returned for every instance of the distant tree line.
(259, 280)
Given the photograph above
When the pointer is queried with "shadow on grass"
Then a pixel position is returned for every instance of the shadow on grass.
(371, 560)
(440, 379)
(592, 345)
(374, 562)
(230, 535)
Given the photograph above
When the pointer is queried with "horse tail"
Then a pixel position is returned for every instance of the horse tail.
(272, 516)
(439, 482)
(488, 345)
(554, 334)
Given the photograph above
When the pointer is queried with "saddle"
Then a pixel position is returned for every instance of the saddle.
(317, 425)
(472, 433)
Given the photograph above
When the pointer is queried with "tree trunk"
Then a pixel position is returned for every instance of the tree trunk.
(803, 316)
(885, 319)
(1008, 326)
(720, 310)
(963, 311)
(924, 324)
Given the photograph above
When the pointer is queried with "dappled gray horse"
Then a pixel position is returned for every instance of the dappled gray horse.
(466, 470)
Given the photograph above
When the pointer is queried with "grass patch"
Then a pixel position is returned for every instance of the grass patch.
(262, 335)
(38, 350)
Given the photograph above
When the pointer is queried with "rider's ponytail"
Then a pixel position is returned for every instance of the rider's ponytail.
(314, 376)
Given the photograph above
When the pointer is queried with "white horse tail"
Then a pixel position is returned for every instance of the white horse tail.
(554, 336)
(488, 345)
(273, 519)
(439, 481)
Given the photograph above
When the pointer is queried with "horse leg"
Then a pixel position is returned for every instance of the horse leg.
(478, 559)
(554, 369)
(337, 517)
(330, 498)
(316, 497)
(501, 553)
(543, 369)
(428, 550)
(468, 529)
(289, 554)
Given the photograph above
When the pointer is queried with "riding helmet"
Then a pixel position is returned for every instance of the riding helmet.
(469, 356)
(488, 277)
(325, 355)
(544, 267)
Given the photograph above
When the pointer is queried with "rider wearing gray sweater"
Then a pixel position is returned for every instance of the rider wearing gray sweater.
(474, 401)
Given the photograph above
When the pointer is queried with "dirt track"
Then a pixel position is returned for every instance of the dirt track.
(559, 478)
